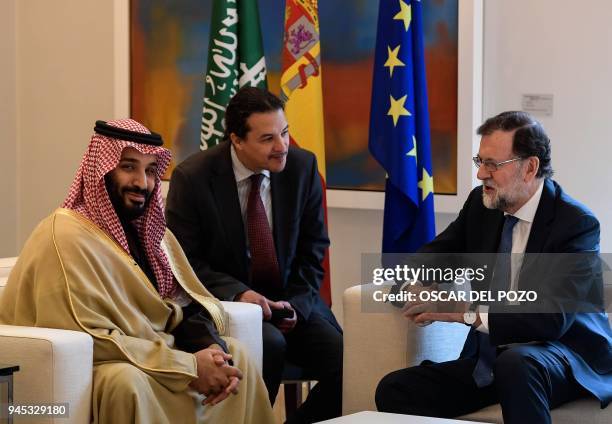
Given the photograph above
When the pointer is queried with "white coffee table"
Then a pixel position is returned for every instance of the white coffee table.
(369, 417)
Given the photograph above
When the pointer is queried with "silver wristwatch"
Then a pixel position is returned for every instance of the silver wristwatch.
(470, 316)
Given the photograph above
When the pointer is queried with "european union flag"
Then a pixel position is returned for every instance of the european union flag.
(399, 126)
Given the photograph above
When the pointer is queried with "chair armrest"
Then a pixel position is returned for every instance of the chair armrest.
(55, 366)
(378, 340)
(245, 325)
(6, 264)
(375, 344)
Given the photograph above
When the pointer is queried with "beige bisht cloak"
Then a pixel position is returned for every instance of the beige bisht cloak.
(72, 275)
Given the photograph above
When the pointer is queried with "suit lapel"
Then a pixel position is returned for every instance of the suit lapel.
(490, 240)
(540, 229)
(225, 192)
(281, 217)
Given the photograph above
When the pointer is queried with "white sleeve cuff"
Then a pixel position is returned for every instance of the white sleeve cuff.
(483, 313)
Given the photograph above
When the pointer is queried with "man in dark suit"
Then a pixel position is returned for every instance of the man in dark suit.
(249, 215)
(529, 362)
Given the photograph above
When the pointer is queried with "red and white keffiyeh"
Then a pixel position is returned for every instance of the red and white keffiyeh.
(89, 197)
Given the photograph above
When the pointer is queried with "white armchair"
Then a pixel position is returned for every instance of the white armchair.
(378, 343)
(56, 365)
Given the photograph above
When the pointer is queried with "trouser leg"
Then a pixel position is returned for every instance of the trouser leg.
(444, 390)
(531, 380)
(274, 348)
(317, 346)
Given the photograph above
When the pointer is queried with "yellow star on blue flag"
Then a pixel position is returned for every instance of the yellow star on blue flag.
(393, 60)
(405, 14)
(397, 108)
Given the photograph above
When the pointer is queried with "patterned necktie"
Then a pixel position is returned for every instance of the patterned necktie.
(483, 372)
(265, 272)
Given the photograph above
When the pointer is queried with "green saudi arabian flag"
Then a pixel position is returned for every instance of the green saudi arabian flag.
(235, 59)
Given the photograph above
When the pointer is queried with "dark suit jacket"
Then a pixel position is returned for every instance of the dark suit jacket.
(203, 211)
(561, 225)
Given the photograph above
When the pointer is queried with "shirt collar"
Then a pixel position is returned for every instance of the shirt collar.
(241, 172)
(528, 210)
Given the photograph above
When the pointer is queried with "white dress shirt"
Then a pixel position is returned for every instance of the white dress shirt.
(243, 184)
(520, 236)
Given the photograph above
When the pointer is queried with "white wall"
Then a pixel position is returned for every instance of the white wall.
(8, 130)
(351, 233)
(65, 82)
(561, 48)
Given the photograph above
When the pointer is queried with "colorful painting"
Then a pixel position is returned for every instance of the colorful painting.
(169, 42)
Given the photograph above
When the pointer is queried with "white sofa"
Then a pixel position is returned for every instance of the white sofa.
(56, 365)
(376, 343)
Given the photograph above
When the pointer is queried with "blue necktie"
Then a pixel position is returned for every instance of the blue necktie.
(483, 372)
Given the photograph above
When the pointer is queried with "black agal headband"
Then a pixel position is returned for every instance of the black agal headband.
(152, 139)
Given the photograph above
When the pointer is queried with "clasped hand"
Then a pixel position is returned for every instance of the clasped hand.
(423, 312)
(216, 378)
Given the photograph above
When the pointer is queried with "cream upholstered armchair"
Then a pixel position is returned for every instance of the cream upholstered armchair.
(56, 365)
(376, 343)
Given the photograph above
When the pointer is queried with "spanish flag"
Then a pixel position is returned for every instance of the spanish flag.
(301, 91)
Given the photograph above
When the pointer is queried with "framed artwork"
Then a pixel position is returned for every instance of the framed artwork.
(168, 51)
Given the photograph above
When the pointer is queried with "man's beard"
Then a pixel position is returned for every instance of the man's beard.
(503, 199)
(117, 198)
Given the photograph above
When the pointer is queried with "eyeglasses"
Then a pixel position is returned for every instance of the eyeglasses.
(491, 165)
